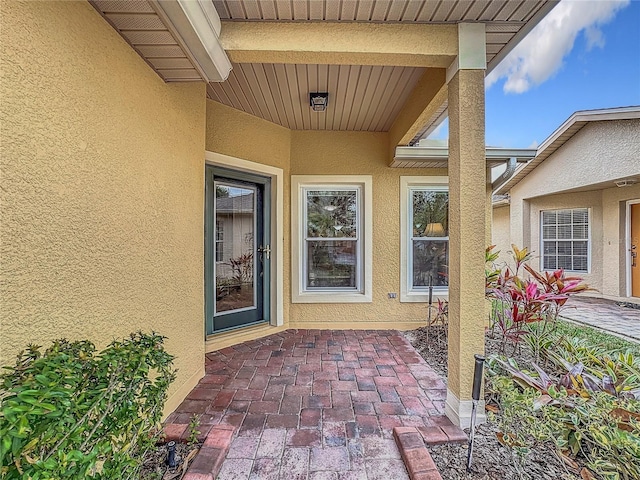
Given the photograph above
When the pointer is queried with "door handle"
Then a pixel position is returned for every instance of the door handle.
(265, 250)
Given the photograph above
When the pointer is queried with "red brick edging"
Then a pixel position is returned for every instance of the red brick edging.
(411, 443)
(209, 458)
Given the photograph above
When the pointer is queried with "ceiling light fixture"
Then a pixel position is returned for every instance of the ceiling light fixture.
(318, 101)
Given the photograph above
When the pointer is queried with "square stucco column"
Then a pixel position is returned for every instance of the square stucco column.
(467, 237)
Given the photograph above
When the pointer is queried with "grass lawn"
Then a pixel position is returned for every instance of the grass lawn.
(598, 338)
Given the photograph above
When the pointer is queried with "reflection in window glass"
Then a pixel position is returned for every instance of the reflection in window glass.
(332, 243)
(331, 214)
(429, 211)
(331, 264)
(235, 220)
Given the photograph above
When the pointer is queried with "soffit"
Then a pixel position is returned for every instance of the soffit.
(505, 20)
(438, 157)
(365, 98)
(139, 24)
(282, 99)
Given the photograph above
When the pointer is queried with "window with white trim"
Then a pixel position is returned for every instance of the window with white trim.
(565, 239)
(424, 237)
(332, 239)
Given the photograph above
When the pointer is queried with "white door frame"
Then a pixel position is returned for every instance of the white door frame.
(277, 217)
(627, 243)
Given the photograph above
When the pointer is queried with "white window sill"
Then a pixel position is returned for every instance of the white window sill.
(423, 297)
(331, 297)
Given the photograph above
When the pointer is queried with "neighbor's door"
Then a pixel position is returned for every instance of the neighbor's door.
(237, 252)
(635, 249)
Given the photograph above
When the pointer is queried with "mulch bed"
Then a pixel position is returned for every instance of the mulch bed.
(155, 462)
(491, 459)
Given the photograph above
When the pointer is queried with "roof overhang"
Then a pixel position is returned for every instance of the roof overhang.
(564, 132)
(196, 26)
(438, 157)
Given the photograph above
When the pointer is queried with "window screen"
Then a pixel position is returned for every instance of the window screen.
(565, 239)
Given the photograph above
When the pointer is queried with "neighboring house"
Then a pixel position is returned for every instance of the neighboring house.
(120, 118)
(576, 205)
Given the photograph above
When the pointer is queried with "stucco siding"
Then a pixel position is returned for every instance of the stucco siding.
(240, 135)
(361, 153)
(500, 233)
(102, 189)
(608, 250)
(590, 200)
(599, 152)
(614, 245)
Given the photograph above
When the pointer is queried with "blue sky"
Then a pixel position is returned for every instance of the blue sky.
(536, 88)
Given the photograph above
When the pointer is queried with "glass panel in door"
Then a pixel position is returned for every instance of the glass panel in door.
(237, 251)
(235, 220)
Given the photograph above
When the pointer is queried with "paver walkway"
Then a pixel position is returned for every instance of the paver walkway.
(316, 404)
(605, 315)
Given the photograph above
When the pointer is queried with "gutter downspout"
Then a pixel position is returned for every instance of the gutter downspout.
(506, 175)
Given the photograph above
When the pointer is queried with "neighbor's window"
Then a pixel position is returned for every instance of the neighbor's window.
(331, 245)
(565, 239)
(219, 241)
(429, 248)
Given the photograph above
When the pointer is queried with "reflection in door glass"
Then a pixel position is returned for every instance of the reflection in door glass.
(235, 226)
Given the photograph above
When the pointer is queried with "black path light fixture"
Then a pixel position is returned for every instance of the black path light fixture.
(475, 397)
(318, 101)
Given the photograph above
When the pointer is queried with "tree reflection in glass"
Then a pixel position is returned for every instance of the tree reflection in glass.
(430, 239)
(332, 235)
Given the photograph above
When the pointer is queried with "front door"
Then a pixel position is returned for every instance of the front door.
(635, 249)
(237, 249)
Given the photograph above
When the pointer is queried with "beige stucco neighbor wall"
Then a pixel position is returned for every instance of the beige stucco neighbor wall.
(607, 273)
(500, 233)
(581, 174)
(599, 152)
(102, 189)
(615, 254)
(590, 200)
(361, 153)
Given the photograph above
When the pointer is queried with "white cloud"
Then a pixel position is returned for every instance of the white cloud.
(442, 130)
(541, 53)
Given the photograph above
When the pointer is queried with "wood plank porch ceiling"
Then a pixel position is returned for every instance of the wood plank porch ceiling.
(361, 97)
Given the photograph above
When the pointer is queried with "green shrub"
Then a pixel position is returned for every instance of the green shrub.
(73, 413)
(592, 410)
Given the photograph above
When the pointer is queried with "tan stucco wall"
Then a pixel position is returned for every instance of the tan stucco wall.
(238, 134)
(468, 232)
(361, 153)
(102, 189)
(599, 152)
(608, 248)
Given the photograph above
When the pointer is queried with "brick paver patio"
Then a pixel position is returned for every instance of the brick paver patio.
(314, 404)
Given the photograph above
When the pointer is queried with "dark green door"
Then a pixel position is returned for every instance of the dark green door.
(237, 250)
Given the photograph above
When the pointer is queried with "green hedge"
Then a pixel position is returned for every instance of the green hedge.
(73, 413)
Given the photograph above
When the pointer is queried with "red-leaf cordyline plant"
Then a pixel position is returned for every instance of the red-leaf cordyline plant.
(526, 307)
